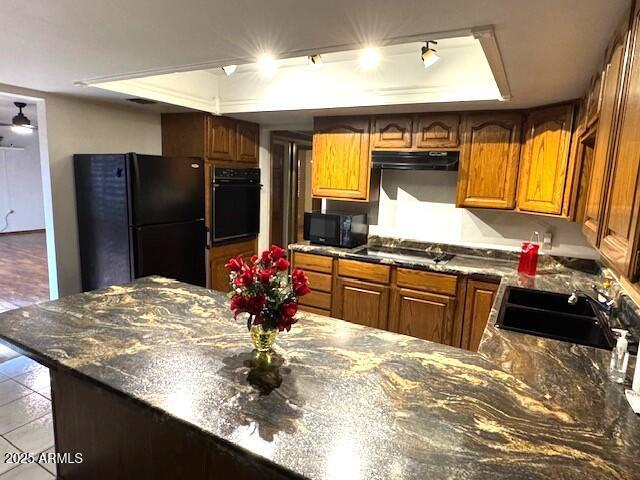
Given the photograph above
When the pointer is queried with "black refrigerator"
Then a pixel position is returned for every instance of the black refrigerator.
(140, 215)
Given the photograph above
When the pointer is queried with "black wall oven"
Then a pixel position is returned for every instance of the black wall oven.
(235, 204)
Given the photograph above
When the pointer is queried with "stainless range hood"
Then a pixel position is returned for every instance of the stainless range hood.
(425, 160)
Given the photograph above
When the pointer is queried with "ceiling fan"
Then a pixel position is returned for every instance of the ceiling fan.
(20, 123)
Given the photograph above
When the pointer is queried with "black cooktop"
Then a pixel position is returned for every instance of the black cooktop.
(435, 257)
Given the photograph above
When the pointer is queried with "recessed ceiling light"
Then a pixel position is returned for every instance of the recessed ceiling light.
(429, 55)
(315, 61)
(369, 58)
(267, 64)
(229, 69)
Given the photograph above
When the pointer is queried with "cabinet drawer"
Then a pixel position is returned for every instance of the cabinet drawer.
(319, 281)
(364, 271)
(428, 281)
(316, 299)
(317, 311)
(315, 263)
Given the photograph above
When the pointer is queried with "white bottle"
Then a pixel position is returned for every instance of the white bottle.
(619, 357)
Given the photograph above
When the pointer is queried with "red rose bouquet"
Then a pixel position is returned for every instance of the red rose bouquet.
(263, 288)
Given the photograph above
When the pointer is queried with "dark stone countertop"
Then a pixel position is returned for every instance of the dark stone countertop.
(342, 400)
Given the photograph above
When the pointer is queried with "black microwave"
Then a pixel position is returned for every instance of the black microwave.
(336, 229)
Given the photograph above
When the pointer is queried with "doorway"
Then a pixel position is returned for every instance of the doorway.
(290, 186)
(24, 264)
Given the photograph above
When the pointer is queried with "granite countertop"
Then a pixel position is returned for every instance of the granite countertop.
(341, 400)
(466, 261)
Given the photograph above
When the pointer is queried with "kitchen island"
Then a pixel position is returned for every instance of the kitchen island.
(154, 379)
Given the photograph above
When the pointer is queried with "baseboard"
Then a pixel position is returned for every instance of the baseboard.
(23, 232)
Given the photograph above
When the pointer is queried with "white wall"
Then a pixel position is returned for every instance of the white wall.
(21, 184)
(69, 125)
(421, 206)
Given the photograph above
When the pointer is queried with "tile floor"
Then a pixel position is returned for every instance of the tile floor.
(25, 398)
(26, 423)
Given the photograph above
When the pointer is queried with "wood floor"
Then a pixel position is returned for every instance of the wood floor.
(23, 270)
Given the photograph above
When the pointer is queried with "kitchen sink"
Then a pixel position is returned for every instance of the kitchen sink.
(549, 315)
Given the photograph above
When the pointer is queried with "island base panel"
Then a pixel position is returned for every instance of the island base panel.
(122, 439)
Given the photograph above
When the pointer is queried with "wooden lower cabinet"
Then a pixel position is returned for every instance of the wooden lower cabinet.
(319, 270)
(478, 302)
(438, 307)
(219, 256)
(361, 302)
(423, 315)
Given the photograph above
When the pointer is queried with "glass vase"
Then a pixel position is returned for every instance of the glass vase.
(262, 339)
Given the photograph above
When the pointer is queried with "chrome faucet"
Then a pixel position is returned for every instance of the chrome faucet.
(602, 300)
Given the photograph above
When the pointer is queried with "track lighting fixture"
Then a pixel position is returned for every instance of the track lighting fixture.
(229, 69)
(429, 55)
(315, 61)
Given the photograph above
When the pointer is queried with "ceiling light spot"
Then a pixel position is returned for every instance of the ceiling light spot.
(267, 65)
(369, 58)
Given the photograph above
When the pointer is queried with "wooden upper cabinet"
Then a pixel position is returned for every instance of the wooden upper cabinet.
(420, 132)
(594, 99)
(434, 130)
(213, 137)
(391, 131)
(341, 165)
(619, 240)
(489, 160)
(423, 315)
(361, 302)
(247, 142)
(544, 161)
(478, 302)
(221, 138)
(184, 134)
(605, 140)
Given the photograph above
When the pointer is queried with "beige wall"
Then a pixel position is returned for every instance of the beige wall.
(76, 125)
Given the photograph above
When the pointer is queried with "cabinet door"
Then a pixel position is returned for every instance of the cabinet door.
(361, 302)
(604, 142)
(594, 99)
(436, 131)
(619, 242)
(341, 161)
(423, 315)
(391, 131)
(489, 160)
(544, 161)
(221, 138)
(478, 303)
(248, 140)
(219, 256)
